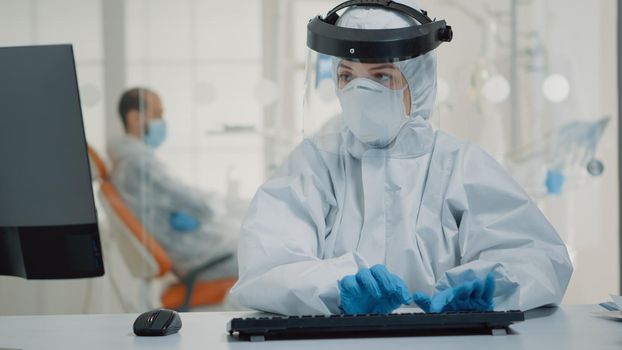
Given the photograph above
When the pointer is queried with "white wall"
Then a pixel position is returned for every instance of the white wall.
(588, 216)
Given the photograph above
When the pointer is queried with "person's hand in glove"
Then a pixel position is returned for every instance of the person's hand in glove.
(475, 295)
(183, 222)
(372, 291)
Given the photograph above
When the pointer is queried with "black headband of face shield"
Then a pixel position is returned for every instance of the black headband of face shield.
(327, 38)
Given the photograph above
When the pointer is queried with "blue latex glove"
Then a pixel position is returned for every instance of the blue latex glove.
(475, 295)
(372, 291)
(183, 222)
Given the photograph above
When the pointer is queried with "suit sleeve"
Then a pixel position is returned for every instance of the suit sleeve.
(501, 230)
(282, 241)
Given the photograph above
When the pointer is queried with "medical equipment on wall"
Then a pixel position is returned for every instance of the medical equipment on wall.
(545, 166)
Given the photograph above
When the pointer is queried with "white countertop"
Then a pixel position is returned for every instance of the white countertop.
(567, 327)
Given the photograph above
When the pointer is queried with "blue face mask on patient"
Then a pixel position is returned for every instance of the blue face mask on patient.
(156, 133)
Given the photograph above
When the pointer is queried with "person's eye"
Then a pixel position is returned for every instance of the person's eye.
(345, 77)
(383, 77)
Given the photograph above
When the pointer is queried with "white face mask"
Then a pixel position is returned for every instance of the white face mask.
(373, 112)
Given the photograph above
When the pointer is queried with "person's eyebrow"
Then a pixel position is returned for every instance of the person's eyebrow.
(341, 65)
(384, 66)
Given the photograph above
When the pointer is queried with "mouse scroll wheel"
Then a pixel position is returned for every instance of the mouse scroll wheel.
(152, 317)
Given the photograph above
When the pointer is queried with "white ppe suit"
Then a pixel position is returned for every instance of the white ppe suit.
(435, 210)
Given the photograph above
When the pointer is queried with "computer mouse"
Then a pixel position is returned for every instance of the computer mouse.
(157, 322)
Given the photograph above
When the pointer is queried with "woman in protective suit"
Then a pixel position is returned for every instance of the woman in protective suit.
(376, 205)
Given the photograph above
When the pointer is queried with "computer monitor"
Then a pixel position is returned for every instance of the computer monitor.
(48, 221)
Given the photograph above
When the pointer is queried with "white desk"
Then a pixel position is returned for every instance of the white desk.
(569, 327)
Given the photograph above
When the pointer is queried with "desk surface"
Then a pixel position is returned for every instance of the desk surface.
(567, 327)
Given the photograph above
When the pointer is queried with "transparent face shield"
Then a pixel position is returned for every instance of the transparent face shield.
(367, 104)
(371, 74)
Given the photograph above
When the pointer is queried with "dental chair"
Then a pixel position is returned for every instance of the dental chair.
(144, 256)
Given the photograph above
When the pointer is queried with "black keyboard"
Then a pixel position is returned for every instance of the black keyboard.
(405, 324)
